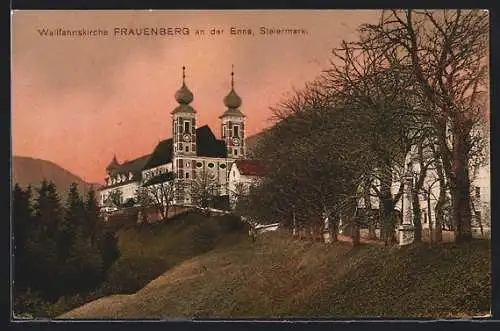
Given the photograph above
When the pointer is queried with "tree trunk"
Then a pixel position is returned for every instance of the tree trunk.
(372, 235)
(335, 228)
(440, 203)
(431, 231)
(460, 190)
(417, 223)
(388, 220)
(355, 235)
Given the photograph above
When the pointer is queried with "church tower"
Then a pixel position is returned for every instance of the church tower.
(233, 124)
(184, 122)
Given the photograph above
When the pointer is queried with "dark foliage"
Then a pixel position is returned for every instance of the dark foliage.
(58, 250)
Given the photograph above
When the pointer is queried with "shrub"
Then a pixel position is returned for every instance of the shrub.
(128, 275)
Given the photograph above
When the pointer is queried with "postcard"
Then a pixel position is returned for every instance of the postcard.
(250, 164)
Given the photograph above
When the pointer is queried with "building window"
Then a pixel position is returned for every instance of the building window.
(199, 164)
(478, 192)
(222, 166)
(236, 131)
(187, 175)
(181, 164)
(181, 174)
(186, 127)
(424, 215)
(179, 147)
(187, 148)
(210, 165)
(235, 152)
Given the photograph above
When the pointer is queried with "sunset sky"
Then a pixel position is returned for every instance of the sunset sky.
(78, 100)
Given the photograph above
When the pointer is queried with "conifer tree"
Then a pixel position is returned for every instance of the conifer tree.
(43, 258)
(22, 219)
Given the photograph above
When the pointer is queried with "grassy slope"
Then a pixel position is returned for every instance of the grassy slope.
(278, 277)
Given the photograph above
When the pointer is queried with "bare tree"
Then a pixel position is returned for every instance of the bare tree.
(116, 197)
(158, 193)
(447, 51)
(203, 189)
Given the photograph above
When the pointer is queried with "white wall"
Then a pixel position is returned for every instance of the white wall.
(128, 191)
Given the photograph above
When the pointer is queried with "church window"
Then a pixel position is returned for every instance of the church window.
(187, 148)
(179, 146)
(180, 163)
(199, 164)
(193, 147)
(210, 165)
(181, 174)
(186, 127)
(187, 175)
(222, 166)
(235, 152)
(236, 131)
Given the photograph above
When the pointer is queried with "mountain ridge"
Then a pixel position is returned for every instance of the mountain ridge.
(27, 170)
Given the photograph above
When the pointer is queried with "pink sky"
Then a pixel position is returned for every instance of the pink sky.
(78, 100)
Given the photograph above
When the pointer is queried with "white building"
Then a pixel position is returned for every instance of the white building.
(190, 152)
(243, 175)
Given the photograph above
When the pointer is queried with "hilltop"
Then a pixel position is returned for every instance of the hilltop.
(30, 171)
(278, 276)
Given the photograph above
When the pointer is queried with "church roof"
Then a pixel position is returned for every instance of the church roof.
(135, 165)
(250, 167)
(113, 164)
(207, 145)
(162, 154)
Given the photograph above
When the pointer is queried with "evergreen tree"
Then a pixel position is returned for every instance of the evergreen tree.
(22, 219)
(42, 247)
(80, 260)
(92, 215)
(73, 219)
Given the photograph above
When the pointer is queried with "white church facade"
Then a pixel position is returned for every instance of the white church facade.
(189, 153)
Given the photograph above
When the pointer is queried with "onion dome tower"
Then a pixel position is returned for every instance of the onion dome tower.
(233, 123)
(184, 122)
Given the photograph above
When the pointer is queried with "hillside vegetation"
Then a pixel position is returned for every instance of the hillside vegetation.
(278, 276)
(30, 171)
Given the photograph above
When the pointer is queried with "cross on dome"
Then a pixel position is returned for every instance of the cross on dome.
(184, 96)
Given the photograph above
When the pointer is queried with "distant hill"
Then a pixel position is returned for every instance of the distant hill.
(253, 142)
(29, 171)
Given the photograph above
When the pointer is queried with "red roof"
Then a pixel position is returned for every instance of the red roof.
(250, 167)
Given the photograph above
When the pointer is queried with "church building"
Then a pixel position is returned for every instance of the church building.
(189, 153)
